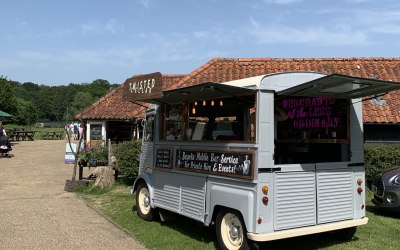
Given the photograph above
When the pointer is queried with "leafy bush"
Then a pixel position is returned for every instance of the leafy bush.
(127, 157)
(379, 157)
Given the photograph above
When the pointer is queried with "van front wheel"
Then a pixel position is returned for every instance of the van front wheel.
(231, 231)
(143, 207)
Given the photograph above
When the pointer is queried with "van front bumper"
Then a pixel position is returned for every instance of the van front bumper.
(306, 230)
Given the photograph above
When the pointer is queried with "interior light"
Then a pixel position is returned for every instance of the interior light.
(221, 103)
(204, 103)
(212, 102)
(193, 110)
(195, 103)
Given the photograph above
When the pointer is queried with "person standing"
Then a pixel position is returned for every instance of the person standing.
(80, 130)
(76, 130)
(2, 130)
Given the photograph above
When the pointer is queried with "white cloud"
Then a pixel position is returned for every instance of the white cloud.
(120, 57)
(111, 26)
(387, 29)
(282, 1)
(357, 1)
(309, 36)
(145, 3)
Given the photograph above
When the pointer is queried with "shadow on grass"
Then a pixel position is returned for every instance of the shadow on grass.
(395, 213)
(197, 231)
(189, 227)
(123, 180)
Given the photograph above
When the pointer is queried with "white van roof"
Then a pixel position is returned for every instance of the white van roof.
(316, 84)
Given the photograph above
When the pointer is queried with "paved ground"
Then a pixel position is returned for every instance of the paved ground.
(36, 212)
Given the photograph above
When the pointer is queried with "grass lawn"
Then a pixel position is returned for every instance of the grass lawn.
(38, 131)
(382, 231)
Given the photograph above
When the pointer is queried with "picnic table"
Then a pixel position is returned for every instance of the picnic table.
(22, 135)
(52, 135)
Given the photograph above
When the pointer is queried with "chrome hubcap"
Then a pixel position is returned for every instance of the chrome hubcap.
(146, 201)
(234, 232)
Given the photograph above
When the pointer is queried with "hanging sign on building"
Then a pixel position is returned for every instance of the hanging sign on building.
(143, 87)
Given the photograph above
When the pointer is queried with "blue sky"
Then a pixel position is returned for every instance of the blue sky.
(77, 41)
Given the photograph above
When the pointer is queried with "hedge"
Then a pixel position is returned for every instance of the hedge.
(379, 157)
(127, 157)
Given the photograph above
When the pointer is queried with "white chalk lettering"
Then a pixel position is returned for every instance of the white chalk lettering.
(142, 87)
(229, 159)
(226, 169)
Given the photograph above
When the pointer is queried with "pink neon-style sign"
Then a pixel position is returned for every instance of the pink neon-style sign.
(311, 112)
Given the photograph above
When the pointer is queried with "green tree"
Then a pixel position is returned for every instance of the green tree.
(26, 112)
(7, 97)
(81, 101)
(97, 88)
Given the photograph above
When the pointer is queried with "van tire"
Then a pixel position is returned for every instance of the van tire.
(231, 231)
(143, 206)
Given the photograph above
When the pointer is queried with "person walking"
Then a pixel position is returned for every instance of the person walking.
(76, 131)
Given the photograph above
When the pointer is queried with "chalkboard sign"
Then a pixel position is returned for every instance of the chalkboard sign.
(164, 158)
(217, 163)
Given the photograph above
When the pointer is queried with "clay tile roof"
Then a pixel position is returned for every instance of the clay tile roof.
(227, 69)
(113, 107)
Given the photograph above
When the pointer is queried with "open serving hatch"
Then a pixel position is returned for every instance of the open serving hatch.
(336, 85)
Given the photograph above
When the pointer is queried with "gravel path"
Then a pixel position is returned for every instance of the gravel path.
(36, 212)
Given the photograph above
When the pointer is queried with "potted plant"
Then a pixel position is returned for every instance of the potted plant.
(93, 157)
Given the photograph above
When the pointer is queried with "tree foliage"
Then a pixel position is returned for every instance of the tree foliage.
(29, 102)
(81, 101)
(7, 97)
(26, 112)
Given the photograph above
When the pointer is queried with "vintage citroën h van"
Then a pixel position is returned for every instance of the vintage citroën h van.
(262, 158)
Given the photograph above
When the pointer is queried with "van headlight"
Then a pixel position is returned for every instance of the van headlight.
(396, 180)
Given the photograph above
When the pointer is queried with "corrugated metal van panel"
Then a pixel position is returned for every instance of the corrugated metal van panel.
(334, 193)
(166, 191)
(182, 194)
(295, 200)
(193, 190)
(146, 157)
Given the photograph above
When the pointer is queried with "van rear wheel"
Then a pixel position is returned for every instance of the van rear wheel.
(143, 207)
(231, 231)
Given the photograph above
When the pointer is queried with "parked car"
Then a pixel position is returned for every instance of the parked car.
(386, 189)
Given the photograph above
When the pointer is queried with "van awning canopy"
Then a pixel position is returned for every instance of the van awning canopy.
(341, 86)
(204, 91)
